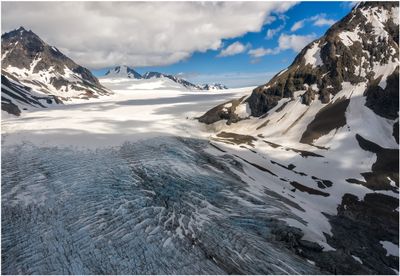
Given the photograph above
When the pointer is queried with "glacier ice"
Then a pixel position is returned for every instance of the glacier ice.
(161, 206)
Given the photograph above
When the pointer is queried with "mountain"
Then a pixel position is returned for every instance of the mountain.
(348, 52)
(123, 72)
(215, 86)
(181, 81)
(42, 70)
(153, 75)
(324, 132)
(126, 72)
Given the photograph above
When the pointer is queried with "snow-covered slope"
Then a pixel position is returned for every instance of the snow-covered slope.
(16, 97)
(181, 81)
(123, 71)
(118, 84)
(324, 133)
(31, 62)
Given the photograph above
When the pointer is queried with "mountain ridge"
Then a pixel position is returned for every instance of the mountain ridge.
(338, 58)
(123, 71)
(29, 62)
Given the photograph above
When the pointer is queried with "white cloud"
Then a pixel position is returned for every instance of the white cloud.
(298, 25)
(286, 42)
(233, 49)
(317, 20)
(323, 21)
(272, 32)
(260, 52)
(102, 34)
(295, 42)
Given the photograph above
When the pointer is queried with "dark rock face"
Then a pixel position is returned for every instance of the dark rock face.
(308, 97)
(225, 111)
(260, 103)
(386, 166)
(384, 102)
(25, 50)
(332, 116)
(365, 218)
(357, 232)
(8, 106)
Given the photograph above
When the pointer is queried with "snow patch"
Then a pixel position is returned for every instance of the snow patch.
(391, 248)
(243, 110)
(357, 259)
(313, 56)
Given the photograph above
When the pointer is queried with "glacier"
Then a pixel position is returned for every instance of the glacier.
(160, 206)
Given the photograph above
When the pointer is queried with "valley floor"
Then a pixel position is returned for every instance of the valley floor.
(133, 184)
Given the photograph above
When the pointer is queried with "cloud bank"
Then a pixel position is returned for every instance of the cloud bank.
(104, 34)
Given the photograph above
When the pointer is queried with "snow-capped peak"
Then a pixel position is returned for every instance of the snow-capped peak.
(32, 63)
(123, 71)
(214, 86)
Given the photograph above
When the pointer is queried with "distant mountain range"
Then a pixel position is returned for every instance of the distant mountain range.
(123, 71)
(35, 74)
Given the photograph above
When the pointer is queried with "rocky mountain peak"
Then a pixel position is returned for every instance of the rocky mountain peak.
(353, 50)
(150, 75)
(26, 58)
(123, 71)
(363, 47)
(214, 86)
(179, 80)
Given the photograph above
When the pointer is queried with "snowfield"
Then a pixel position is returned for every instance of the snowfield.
(139, 109)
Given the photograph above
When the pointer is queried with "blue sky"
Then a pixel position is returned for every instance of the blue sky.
(243, 69)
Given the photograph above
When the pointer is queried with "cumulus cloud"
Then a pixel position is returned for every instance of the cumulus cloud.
(272, 32)
(323, 21)
(286, 42)
(260, 52)
(234, 49)
(298, 25)
(295, 42)
(317, 20)
(102, 34)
